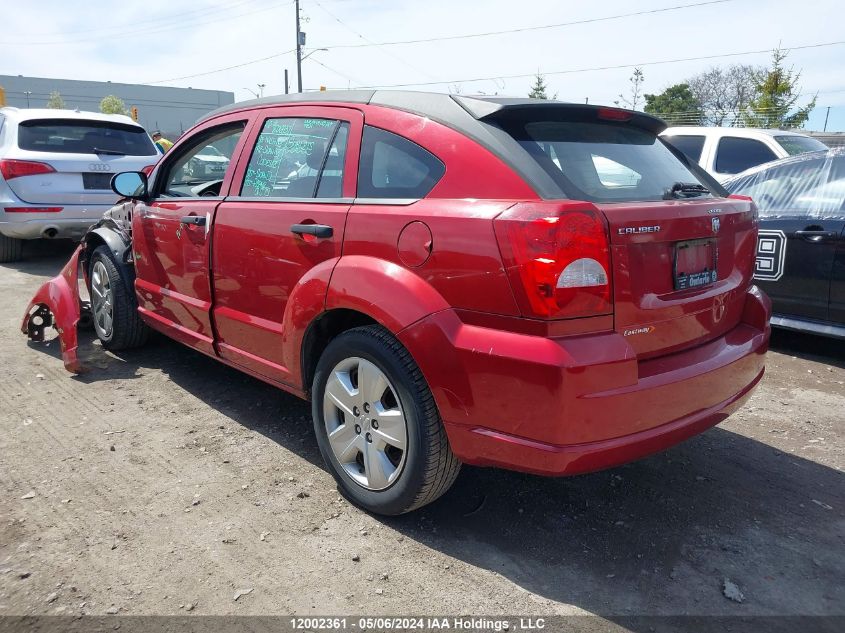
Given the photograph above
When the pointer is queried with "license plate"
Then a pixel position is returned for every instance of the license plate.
(695, 264)
(96, 181)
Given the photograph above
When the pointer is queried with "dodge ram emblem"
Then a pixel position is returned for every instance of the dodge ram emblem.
(716, 223)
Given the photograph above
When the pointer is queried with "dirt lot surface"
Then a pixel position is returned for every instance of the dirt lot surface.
(162, 481)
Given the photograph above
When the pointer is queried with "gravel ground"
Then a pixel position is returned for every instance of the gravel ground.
(163, 482)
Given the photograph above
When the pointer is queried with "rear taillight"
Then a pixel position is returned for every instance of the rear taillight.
(557, 256)
(17, 168)
(148, 169)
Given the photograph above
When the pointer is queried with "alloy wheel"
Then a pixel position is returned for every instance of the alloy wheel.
(365, 423)
(102, 299)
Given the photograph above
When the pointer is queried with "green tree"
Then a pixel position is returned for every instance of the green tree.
(55, 101)
(112, 105)
(776, 96)
(538, 90)
(676, 105)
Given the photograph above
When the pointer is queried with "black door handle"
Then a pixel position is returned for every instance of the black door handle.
(815, 236)
(317, 230)
(198, 220)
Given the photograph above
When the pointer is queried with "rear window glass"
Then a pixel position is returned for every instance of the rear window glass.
(602, 162)
(394, 167)
(799, 144)
(736, 154)
(812, 186)
(690, 146)
(84, 137)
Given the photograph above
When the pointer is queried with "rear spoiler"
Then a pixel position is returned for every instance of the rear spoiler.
(508, 109)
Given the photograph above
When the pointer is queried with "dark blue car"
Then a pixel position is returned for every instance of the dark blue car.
(801, 248)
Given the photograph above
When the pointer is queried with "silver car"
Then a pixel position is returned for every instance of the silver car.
(56, 168)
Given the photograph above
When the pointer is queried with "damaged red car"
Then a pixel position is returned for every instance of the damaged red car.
(532, 285)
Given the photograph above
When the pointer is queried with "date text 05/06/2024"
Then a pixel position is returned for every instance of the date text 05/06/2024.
(474, 624)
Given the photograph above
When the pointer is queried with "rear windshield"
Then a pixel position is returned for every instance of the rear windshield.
(799, 144)
(602, 162)
(84, 137)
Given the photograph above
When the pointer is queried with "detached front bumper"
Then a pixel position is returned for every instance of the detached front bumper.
(581, 403)
(57, 303)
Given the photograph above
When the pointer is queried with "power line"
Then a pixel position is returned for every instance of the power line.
(333, 70)
(135, 23)
(532, 28)
(369, 41)
(598, 68)
(147, 30)
(220, 70)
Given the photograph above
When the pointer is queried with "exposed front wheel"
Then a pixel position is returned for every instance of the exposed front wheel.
(377, 424)
(113, 305)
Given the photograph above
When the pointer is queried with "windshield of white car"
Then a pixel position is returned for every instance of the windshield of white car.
(794, 144)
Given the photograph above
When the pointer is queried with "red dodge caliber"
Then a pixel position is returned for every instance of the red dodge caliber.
(527, 284)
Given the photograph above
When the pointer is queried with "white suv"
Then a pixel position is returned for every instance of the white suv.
(56, 168)
(725, 151)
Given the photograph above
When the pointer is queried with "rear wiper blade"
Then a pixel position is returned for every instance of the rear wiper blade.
(685, 190)
(111, 152)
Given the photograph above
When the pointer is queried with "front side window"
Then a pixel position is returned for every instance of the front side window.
(395, 167)
(601, 162)
(69, 136)
(811, 187)
(297, 158)
(735, 154)
(689, 145)
(199, 168)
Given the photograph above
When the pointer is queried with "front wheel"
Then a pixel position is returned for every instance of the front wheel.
(113, 304)
(377, 425)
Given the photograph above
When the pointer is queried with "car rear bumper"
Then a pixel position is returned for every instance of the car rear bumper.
(71, 222)
(578, 404)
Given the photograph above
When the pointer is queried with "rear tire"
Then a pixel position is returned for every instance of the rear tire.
(388, 450)
(11, 249)
(113, 304)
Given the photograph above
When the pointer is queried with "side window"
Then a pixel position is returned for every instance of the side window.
(394, 167)
(199, 168)
(738, 154)
(799, 188)
(690, 146)
(297, 158)
(331, 178)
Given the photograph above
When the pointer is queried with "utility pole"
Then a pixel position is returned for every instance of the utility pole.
(299, 42)
(825, 119)
(287, 85)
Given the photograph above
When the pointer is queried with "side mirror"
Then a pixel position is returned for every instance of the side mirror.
(130, 184)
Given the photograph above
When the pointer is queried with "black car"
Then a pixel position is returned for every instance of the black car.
(801, 249)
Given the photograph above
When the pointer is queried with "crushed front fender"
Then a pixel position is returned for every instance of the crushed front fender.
(57, 303)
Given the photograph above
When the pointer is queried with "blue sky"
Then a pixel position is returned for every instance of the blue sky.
(181, 43)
